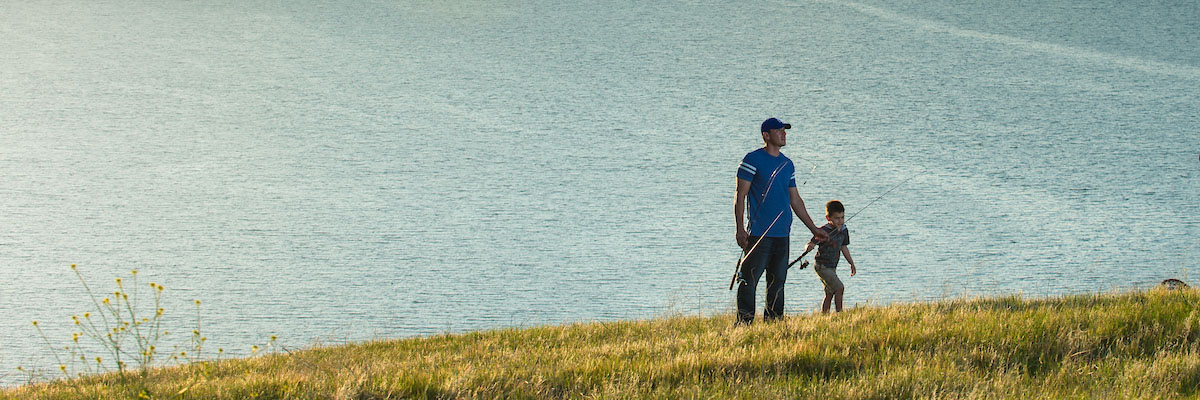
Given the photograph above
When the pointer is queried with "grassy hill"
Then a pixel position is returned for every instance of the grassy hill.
(1137, 344)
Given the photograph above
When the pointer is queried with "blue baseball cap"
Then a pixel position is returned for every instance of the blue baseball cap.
(774, 123)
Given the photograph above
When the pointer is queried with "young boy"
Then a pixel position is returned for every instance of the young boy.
(828, 253)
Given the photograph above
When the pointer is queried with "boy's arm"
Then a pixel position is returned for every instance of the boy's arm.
(846, 253)
(808, 246)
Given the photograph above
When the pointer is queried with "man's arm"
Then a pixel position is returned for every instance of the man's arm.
(739, 212)
(846, 253)
(798, 208)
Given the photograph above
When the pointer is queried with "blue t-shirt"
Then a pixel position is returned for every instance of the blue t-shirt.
(769, 177)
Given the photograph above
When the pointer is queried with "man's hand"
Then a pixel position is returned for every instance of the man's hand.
(852, 270)
(820, 236)
(743, 238)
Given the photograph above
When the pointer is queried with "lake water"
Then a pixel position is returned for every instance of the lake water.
(331, 172)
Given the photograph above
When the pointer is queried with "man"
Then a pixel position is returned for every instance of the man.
(768, 179)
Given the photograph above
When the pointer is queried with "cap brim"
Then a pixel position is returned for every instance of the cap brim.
(787, 126)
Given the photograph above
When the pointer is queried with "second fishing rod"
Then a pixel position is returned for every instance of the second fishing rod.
(805, 264)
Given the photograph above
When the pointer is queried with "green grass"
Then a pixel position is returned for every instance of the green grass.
(1138, 344)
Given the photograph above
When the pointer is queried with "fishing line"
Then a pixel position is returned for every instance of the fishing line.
(877, 198)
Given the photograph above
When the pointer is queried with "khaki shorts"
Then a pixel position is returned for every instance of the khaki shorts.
(828, 277)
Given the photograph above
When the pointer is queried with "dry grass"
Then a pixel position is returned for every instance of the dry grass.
(1139, 344)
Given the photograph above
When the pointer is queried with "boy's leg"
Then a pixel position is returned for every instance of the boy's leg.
(833, 285)
(776, 269)
(837, 299)
(752, 270)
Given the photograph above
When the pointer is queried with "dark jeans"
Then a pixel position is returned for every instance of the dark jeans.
(771, 256)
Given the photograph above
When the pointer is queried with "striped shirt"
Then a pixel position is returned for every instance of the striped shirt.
(828, 253)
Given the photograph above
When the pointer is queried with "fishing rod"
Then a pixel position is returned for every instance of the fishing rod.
(737, 271)
(737, 268)
(805, 263)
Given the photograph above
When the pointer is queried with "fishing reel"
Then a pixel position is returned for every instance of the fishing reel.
(737, 279)
(804, 264)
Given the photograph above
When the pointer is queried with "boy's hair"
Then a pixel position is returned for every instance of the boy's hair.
(834, 206)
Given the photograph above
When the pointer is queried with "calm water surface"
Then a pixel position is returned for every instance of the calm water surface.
(328, 172)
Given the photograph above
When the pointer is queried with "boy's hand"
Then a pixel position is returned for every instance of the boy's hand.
(852, 270)
(742, 237)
